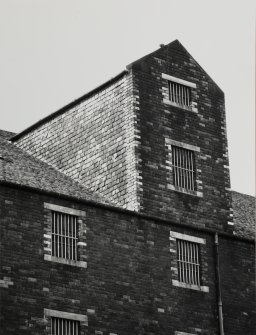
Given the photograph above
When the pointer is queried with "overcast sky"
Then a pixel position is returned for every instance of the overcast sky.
(53, 51)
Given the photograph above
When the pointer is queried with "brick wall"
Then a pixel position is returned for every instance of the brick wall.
(127, 285)
(159, 122)
(94, 142)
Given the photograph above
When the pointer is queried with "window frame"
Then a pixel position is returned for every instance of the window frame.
(49, 208)
(186, 84)
(174, 260)
(169, 165)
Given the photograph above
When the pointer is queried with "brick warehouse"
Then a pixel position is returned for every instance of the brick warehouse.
(117, 216)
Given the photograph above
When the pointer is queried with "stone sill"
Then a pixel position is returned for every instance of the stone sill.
(190, 109)
(183, 190)
(71, 262)
(190, 286)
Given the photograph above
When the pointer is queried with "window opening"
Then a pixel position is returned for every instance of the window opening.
(61, 326)
(188, 262)
(183, 163)
(64, 235)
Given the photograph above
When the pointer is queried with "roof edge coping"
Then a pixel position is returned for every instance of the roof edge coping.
(66, 107)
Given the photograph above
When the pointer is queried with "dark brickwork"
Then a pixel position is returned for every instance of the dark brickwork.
(127, 285)
(158, 121)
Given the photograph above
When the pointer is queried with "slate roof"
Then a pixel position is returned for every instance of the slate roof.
(244, 214)
(20, 168)
(6, 134)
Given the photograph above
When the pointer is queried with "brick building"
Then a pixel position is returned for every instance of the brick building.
(117, 216)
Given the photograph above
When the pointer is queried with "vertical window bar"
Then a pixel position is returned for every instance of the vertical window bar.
(58, 234)
(197, 262)
(183, 152)
(175, 168)
(75, 237)
(190, 264)
(185, 262)
(53, 234)
(178, 164)
(193, 263)
(182, 262)
(65, 233)
(72, 228)
(192, 171)
(68, 247)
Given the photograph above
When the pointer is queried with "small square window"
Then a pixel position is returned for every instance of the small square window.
(179, 94)
(188, 262)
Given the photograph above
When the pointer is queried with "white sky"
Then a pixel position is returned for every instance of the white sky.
(53, 51)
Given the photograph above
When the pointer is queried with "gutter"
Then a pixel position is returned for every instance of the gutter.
(218, 284)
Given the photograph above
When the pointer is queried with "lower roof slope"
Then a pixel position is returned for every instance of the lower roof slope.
(19, 168)
(244, 214)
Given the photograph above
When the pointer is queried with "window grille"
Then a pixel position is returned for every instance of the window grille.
(64, 235)
(183, 164)
(179, 94)
(61, 326)
(188, 262)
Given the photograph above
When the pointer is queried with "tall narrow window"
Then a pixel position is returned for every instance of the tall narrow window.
(180, 94)
(61, 326)
(183, 164)
(64, 235)
(188, 261)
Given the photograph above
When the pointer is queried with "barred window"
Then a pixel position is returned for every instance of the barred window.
(188, 260)
(180, 94)
(61, 326)
(64, 235)
(183, 164)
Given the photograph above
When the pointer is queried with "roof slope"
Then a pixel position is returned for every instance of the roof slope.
(175, 45)
(20, 168)
(244, 214)
(6, 134)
